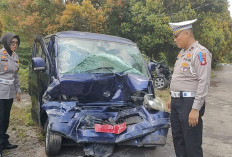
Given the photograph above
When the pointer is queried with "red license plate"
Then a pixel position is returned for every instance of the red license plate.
(116, 129)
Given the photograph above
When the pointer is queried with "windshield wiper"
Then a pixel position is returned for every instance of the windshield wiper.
(107, 68)
(126, 70)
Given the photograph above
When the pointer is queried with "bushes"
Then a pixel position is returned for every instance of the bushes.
(23, 79)
(1, 26)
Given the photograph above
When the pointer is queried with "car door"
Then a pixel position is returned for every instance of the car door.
(39, 80)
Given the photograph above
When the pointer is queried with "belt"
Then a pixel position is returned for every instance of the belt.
(8, 82)
(182, 94)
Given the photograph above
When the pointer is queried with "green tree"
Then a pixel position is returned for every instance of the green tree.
(143, 21)
(146, 23)
(1, 27)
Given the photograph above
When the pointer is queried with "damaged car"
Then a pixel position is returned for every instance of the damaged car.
(96, 91)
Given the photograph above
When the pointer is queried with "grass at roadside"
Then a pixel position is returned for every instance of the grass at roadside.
(163, 94)
(21, 123)
(21, 116)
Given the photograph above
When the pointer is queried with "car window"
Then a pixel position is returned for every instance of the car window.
(51, 50)
(40, 53)
(96, 56)
(38, 50)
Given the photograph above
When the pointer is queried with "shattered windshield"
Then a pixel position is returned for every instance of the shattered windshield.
(97, 56)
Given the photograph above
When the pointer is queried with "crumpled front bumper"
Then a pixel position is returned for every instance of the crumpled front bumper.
(144, 128)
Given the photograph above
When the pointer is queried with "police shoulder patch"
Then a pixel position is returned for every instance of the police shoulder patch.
(202, 58)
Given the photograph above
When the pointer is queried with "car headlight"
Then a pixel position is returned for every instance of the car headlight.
(138, 97)
(154, 103)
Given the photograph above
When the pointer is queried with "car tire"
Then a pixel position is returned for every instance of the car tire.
(161, 83)
(53, 142)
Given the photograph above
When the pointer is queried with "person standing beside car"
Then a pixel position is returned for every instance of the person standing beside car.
(9, 85)
(188, 89)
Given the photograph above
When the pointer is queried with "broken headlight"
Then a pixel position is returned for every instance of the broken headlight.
(154, 103)
(138, 97)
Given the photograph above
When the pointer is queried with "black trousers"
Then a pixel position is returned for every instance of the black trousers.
(5, 107)
(187, 140)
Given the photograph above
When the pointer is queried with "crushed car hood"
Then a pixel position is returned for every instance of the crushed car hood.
(104, 99)
(88, 87)
(78, 122)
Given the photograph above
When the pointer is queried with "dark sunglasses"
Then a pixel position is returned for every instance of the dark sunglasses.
(14, 43)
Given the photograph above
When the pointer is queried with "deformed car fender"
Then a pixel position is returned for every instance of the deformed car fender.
(66, 119)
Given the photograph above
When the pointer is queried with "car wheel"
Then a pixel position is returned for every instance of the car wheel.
(161, 83)
(53, 142)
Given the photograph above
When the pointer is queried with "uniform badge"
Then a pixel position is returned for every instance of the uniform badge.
(184, 66)
(202, 58)
(178, 56)
(191, 48)
(188, 55)
(4, 52)
(187, 59)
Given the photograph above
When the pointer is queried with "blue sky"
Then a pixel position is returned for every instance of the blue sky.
(230, 7)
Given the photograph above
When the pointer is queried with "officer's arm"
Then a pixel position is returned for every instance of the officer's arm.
(16, 79)
(16, 82)
(168, 104)
(203, 70)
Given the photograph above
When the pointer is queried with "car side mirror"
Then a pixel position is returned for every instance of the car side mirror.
(38, 64)
(151, 67)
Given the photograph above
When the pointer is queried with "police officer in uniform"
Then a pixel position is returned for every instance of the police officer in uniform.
(9, 85)
(188, 89)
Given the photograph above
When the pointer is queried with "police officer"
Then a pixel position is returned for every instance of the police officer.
(9, 85)
(188, 88)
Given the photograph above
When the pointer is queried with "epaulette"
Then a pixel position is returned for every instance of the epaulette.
(202, 48)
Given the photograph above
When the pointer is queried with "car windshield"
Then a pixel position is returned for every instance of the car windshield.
(96, 56)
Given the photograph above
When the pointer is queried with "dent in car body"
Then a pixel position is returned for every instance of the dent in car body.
(75, 119)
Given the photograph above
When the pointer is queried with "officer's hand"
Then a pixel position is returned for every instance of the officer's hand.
(193, 117)
(168, 104)
(18, 97)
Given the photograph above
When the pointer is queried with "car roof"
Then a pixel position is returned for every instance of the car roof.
(92, 36)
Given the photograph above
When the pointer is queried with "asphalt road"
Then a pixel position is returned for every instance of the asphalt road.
(217, 133)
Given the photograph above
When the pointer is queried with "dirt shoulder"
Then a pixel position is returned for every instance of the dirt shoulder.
(24, 132)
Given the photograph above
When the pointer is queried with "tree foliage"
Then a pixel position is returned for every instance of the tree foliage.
(1, 27)
(143, 21)
(83, 17)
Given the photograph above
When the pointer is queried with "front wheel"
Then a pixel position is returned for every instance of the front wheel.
(53, 142)
(161, 83)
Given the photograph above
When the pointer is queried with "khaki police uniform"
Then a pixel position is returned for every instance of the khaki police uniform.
(9, 81)
(9, 86)
(189, 87)
(192, 73)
